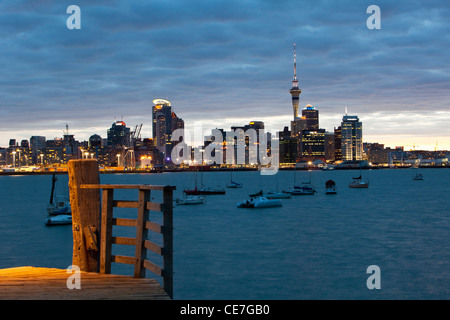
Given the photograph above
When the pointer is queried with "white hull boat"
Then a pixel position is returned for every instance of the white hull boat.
(359, 184)
(190, 199)
(259, 202)
(61, 219)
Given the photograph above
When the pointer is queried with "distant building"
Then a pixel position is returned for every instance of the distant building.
(337, 144)
(165, 122)
(313, 144)
(288, 147)
(95, 141)
(118, 135)
(311, 118)
(351, 139)
(329, 147)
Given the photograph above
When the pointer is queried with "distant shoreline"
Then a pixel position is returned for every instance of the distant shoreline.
(31, 173)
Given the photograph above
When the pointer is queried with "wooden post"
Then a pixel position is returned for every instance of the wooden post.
(85, 205)
(168, 241)
(106, 230)
(141, 233)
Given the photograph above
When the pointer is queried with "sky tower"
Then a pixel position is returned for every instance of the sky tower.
(295, 90)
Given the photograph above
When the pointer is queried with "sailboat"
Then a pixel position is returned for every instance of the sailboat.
(202, 190)
(274, 194)
(186, 199)
(233, 184)
(58, 205)
(305, 189)
(359, 183)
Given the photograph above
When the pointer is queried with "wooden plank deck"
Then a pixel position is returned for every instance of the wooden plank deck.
(31, 283)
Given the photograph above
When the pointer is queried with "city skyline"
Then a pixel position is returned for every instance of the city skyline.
(226, 63)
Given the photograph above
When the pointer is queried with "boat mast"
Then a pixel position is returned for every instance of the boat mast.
(54, 179)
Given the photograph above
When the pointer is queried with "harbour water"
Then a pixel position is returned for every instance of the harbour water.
(313, 247)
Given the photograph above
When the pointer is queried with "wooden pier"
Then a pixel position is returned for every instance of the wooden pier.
(30, 283)
(92, 226)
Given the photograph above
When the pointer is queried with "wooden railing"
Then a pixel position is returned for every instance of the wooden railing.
(143, 225)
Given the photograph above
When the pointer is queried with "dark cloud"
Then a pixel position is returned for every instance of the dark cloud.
(219, 60)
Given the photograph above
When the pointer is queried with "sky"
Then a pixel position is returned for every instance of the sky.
(226, 63)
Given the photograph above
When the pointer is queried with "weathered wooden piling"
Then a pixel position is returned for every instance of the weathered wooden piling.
(85, 205)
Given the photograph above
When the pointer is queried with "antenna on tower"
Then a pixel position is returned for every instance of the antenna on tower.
(295, 64)
(346, 110)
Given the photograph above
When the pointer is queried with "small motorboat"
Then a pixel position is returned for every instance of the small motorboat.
(189, 199)
(330, 187)
(59, 220)
(259, 202)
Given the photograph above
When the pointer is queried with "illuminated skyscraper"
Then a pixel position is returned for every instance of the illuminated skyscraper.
(351, 139)
(118, 135)
(164, 123)
(311, 116)
(295, 90)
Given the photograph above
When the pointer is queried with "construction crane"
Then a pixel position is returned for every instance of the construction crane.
(128, 158)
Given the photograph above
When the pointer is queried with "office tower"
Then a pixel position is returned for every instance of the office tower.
(288, 147)
(329, 146)
(119, 135)
(351, 139)
(95, 141)
(313, 144)
(161, 107)
(297, 126)
(311, 117)
(165, 122)
(160, 128)
(337, 144)
(295, 90)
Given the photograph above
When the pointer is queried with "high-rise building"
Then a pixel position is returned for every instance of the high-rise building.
(313, 144)
(311, 117)
(295, 90)
(337, 144)
(165, 122)
(161, 108)
(119, 135)
(351, 139)
(288, 147)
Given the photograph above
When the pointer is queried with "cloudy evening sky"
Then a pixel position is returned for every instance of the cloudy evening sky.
(225, 63)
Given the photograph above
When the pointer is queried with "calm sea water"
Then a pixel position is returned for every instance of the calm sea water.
(314, 247)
